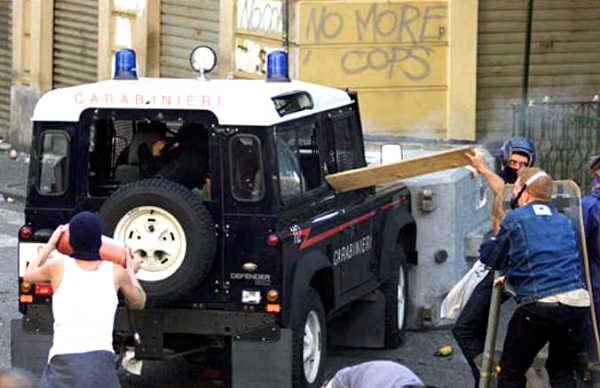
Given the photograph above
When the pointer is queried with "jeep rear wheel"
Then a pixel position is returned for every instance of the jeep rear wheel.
(309, 340)
(395, 291)
(169, 228)
(156, 236)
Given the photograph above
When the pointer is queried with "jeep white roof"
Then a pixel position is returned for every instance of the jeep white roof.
(233, 102)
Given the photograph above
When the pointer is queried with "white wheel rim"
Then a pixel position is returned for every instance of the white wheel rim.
(312, 346)
(401, 298)
(154, 235)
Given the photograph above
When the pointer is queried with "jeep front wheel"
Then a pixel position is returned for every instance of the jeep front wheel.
(309, 340)
(169, 228)
(395, 291)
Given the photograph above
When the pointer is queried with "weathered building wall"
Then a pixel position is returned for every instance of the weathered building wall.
(75, 54)
(564, 64)
(5, 65)
(59, 43)
(412, 62)
(31, 65)
(185, 24)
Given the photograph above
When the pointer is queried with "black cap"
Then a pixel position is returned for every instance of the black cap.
(85, 236)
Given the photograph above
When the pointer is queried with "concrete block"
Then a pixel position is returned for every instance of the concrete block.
(452, 210)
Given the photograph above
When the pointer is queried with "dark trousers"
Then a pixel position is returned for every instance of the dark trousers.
(530, 328)
(94, 369)
(471, 326)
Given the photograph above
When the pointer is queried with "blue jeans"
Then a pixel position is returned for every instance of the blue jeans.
(530, 328)
(471, 326)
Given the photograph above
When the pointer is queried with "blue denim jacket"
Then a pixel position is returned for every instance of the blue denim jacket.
(539, 250)
(590, 207)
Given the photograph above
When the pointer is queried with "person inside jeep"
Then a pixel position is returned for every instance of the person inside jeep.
(182, 158)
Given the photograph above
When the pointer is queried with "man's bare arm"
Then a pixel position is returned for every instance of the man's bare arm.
(37, 271)
(128, 284)
(497, 213)
(478, 162)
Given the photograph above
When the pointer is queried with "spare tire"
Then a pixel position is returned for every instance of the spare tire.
(169, 228)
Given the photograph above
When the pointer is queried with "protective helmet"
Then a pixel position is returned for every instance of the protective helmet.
(517, 144)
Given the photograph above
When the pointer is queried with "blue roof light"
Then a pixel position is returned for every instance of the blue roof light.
(125, 66)
(277, 67)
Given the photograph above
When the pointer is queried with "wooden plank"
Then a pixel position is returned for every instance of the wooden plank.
(385, 173)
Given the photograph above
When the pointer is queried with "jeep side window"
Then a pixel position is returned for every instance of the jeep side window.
(346, 141)
(247, 173)
(291, 181)
(54, 163)
(298, 160)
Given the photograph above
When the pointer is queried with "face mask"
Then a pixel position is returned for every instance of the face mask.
(510, 175)
(514, 199)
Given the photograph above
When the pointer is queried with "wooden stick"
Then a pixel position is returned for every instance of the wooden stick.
(385, 173)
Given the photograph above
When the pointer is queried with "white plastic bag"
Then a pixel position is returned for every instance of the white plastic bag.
(459, 294)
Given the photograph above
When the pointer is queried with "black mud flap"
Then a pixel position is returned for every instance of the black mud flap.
(28, 350)
(357, 328)
(262, 361)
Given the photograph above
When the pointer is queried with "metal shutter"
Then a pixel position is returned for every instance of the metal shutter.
(185, 24)
(5, 64)
(564, 63)
(75, 42)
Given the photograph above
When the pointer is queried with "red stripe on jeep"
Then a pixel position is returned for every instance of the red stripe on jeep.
(330, 232)
(390, 204)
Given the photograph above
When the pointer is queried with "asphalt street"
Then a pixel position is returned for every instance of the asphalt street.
(416, 353)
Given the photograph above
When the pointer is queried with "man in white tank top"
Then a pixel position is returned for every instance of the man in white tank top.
(84, 304)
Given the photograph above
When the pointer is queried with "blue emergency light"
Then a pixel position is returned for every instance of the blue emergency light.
(125, 67)
(277, 67)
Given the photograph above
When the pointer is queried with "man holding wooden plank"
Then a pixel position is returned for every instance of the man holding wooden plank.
(545, 270)
(471, 325)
